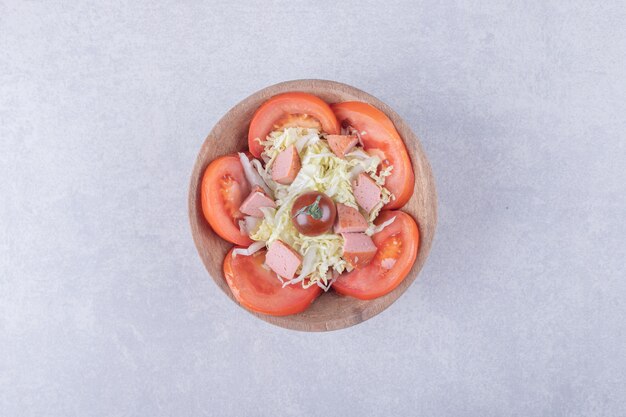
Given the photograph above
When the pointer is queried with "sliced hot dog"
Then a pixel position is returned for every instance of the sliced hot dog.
(282, 259)
(341, 144)
(366, 192)
(358, 249)
(286, 166)
(349, 220)
(253, 203)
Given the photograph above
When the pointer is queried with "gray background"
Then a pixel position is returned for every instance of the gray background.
(106, 309)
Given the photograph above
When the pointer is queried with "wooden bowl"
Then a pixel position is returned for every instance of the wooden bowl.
(330, 311)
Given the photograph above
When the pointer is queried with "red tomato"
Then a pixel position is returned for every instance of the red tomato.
(397, 249)
(381, 138)
(258, 289)
(224, 187)
(288, 110)
(306, 222)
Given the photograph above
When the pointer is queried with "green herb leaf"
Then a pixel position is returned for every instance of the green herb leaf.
(314, 210)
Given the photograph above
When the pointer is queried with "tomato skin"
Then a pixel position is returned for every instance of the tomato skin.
(258, 289)
(305, 223)
(223, 189)
(381, 137)
(280, 107)
(398, 243)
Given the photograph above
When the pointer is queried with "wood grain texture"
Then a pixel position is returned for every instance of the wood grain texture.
(330, 311)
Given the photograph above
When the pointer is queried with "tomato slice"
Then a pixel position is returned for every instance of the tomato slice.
(381, 138)
(258, 289)
(397, 249)
(289, 110)
(224, 187)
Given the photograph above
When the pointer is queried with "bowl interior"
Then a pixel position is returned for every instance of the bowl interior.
(330, 311)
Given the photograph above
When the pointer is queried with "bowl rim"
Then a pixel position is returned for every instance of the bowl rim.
(369, 308)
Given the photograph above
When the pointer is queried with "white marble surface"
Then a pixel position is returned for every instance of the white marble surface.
(106, 310)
